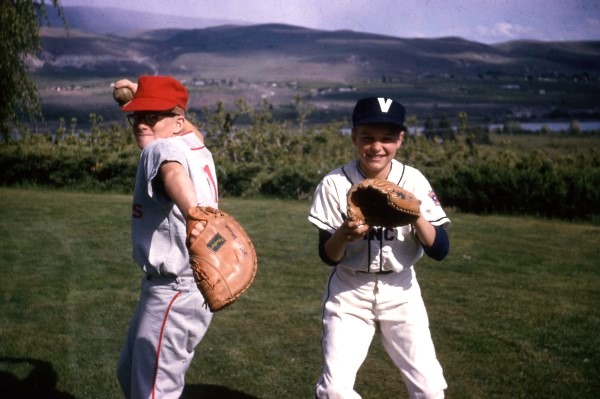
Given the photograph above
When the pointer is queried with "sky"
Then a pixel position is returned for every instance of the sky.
(486, 21)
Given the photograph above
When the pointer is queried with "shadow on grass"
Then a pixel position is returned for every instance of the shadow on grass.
(39, 383)
(213, 392)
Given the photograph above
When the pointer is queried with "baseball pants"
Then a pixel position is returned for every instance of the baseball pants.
(355, 304)
(168, 323)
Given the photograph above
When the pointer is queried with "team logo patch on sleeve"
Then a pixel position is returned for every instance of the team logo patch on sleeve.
(434, 198)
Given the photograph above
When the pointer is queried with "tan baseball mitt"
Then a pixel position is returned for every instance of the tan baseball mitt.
(382, 203)
(222, 257)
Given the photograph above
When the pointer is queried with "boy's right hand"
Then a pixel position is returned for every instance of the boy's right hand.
(354, 229)
(126, 83)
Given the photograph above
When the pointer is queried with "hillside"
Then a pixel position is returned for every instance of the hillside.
(328, 69)
(107, 20)
(305, 54)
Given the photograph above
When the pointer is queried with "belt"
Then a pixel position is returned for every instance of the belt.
(160, 277)
(381, 272)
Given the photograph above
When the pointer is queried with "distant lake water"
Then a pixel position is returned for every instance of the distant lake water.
(585, 126)
(553, 126)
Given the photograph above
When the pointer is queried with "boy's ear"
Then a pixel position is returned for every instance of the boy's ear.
(400, 139)
(179, 122)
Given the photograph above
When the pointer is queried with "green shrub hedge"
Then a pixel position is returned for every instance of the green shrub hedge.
(267, 158)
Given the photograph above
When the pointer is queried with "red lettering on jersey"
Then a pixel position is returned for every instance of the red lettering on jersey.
(137, 211)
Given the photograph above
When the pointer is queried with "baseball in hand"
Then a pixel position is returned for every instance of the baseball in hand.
(122, 95)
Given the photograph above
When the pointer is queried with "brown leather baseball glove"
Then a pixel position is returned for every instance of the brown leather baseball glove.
(222, 257)
(382, 203)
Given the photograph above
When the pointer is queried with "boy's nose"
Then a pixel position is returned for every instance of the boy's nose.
(376, 145)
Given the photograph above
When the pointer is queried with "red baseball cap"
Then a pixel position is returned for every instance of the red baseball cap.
(157, 93)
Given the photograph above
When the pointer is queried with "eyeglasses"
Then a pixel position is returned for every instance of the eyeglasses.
(148, 118)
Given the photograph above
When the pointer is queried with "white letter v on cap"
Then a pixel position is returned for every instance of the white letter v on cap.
(384, 104)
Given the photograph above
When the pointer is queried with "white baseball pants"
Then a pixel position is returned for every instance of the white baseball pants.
(355, 303)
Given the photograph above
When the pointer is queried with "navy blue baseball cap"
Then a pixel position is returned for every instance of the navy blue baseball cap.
(375, 110)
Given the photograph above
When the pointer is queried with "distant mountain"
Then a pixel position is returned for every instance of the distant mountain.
(284, 52)
(575, 55)
(225, 62)
(108, 20)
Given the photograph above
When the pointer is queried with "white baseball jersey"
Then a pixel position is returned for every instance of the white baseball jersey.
(382, 249)
(375, 286)
(158, 226)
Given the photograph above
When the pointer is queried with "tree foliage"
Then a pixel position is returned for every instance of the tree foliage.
(19, 38)
(263, 157)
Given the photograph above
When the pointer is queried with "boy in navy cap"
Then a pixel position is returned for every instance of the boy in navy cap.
(372, 281)
(175, 172)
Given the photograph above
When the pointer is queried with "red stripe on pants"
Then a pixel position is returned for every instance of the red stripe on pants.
(162, 330)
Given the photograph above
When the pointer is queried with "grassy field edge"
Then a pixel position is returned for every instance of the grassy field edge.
(513, 309)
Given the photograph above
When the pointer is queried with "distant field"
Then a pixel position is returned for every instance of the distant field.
(513, 309)
(484, 100)
(329, 70)
(564, 145)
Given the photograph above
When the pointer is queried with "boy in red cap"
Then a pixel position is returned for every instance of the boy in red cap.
(143, 137)
(175, 172)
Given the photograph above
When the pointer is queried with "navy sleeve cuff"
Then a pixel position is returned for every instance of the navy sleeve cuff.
(323, 237)
(441, 244)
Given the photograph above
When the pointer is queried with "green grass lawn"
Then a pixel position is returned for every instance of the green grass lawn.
(513, 309)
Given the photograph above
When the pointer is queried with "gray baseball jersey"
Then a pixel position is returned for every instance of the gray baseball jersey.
(158, 226)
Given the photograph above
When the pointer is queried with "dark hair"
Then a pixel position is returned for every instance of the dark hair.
(392, 128)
